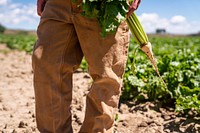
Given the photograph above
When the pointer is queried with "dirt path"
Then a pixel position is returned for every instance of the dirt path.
(17, 103)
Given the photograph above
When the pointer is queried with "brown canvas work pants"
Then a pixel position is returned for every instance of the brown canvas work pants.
(64, 36)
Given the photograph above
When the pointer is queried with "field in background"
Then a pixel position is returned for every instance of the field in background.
(178, 62)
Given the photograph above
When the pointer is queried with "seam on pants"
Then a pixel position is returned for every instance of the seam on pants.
(60, 70)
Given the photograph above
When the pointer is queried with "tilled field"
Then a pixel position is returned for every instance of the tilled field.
(17, 101)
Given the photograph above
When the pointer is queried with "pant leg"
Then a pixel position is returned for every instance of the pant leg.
(56, 55)
(106, 58)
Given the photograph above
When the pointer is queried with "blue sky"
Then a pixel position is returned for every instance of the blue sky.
(168, 8)
(176, 16)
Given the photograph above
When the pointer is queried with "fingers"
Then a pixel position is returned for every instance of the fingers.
(134, 5)
(130, 12)
(39, 12)
(40, 6)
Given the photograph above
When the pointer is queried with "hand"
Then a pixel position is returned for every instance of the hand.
(133, 6)
(40, 6)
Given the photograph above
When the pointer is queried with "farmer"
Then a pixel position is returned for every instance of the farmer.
(64, 37)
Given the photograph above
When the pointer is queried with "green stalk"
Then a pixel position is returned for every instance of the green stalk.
(142, 39)
(140, 26)
(137, 29)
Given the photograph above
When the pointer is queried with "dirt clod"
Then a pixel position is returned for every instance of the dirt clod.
(22, 124)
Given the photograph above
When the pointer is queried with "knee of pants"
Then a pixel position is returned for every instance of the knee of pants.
(113, 73)
(39, 59)
(36, 57)
(49, 59)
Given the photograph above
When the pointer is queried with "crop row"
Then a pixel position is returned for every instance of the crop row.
(178, 60)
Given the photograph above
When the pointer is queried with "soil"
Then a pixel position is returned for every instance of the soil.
(17, 103)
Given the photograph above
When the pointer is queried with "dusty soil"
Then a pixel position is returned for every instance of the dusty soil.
(17, 103)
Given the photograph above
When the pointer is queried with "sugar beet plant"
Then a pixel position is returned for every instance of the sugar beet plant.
(109, 13)
(20, 41)
(180, 70)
